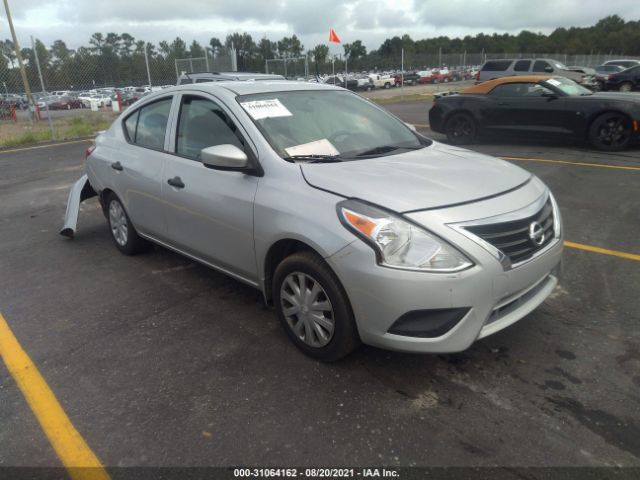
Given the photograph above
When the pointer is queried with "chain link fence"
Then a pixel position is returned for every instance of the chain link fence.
(76, 93)
(293, 67)
(79, 92)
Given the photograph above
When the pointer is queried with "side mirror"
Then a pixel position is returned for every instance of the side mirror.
(548, 69)
(224, 157)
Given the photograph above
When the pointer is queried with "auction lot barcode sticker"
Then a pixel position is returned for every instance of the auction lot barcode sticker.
(259, 109)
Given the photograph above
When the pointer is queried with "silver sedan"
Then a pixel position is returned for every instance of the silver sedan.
(355, 227)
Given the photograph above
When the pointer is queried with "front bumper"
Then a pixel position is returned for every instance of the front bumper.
(495, 297)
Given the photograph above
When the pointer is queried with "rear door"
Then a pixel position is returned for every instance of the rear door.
(138, 165)
(210, 212)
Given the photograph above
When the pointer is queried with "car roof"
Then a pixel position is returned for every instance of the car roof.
(249, 87)
(485, 87)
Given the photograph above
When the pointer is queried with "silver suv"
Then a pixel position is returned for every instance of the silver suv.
(206, 77)
(355, 227)
(531, 66)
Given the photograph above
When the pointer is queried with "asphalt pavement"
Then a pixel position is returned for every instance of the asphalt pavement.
(159, 361)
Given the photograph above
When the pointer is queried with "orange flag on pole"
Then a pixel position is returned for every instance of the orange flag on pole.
(333, 37)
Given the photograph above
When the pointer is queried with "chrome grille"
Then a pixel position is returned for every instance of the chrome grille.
(513, 238)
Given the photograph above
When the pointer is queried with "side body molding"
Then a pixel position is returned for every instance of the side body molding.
(80, 191)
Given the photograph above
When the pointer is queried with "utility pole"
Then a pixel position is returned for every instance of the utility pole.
(16, 46)
(35, 53)
(146, 60)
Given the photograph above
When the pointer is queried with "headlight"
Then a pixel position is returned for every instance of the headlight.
(398, 243)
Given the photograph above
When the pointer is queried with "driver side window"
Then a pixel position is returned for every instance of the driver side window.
(203, 124)
(521, 90)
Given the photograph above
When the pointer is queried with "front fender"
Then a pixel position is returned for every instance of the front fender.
(80, 191)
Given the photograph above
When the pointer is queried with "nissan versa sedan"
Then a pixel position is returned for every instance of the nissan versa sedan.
(355, 227)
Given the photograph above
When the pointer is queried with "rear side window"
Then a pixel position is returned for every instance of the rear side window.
(204, 124)
(522, 66)
(540, 66)
(204, 80)
(496, 65)
(147, 126)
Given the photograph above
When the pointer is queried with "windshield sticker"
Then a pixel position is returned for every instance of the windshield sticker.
(260, 109)
(319, 147)
(554, 82)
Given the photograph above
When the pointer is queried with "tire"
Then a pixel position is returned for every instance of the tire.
(387, 85)
(461, 129)
(626, 87)
(611, 132)
(315, 339)
(122, 231)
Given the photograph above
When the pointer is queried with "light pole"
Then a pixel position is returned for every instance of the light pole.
(16, 46)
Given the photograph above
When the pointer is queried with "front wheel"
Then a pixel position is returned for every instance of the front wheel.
(122, 230)
(611, 132)
(313, 307)
(387, 85)
(461, 129)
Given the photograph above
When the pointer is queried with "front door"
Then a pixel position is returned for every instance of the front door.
(209, 212)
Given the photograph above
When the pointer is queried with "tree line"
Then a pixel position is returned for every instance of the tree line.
(116, 59)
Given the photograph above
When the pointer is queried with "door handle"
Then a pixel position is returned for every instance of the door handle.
(117, 166)
(176, 182)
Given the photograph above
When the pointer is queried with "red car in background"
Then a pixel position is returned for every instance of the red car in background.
(66, 103)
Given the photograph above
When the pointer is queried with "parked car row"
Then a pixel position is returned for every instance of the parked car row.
(623, 75)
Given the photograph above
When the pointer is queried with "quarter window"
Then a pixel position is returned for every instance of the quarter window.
(148, 125)
(540, 66)
(204, 124)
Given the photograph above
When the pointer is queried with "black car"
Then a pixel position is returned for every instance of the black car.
(538, 106)
(624, 81)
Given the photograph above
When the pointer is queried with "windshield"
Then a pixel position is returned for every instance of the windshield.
(560, 66)
(312, 123)
(568, 87)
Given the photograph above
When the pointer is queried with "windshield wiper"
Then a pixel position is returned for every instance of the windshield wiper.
(386, 149)
(316, 158)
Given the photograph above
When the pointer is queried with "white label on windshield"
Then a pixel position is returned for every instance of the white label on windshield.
(554, 82)
(260, 109)
(319, 147)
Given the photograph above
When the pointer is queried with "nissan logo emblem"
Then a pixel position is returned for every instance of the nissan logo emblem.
(536, 233)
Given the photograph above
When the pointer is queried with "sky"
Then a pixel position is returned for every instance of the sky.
(371, 21)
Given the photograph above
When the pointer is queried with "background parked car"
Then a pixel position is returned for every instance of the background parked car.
(623, 63)
(536, 105)
(603, 71)
(532, 66)
(624, 81)
(65, 103)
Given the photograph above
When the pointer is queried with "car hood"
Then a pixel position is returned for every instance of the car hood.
(433, 177)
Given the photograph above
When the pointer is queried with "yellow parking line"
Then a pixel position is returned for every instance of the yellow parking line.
(604, 251)
(36, 147)
(80, 462)
(421, 125)
(582, 164)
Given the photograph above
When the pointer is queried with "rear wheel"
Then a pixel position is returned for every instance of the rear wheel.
(461, 129)
(122, 230)
(626, 87)
(387, 85)
(611, 132)
(313, 307)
